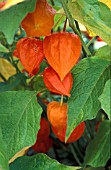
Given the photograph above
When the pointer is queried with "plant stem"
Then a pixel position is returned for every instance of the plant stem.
(3, 78)
(71, 23)
(58, 21)
(89, 129)
(78, 150)
(41, 91)
(65, 24)
(77, 26)
(91, 41)
(74, 154)
(13, 63)
(61, 102)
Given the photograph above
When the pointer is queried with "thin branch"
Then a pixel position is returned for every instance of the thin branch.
(71, 24)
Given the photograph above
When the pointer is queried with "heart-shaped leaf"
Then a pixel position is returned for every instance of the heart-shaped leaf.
(90, 76)
(19, 119)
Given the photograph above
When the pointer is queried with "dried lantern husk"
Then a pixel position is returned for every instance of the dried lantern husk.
(30, 53)
(41, 21)
(54, 84)
(62, 51)
(57, 114)
(75, 135)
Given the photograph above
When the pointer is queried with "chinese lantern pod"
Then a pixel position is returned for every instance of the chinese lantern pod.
(41, 21)
(75, 135)
(57, 114)
(62, 51)
(44, 127)
(54, 84)
(2, 4)
(30, 53)
(43, 142)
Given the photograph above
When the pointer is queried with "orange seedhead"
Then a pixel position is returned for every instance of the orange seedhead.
(57, 116)
(43, 142)
(2, 4)
(30, 53)
(41, 21)
(62, 51)
(54, 84)
(75, 135)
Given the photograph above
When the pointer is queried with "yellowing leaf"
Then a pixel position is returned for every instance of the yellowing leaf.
(10, 3)
(6, 68)
(91, 33)
(19, 154)
(106, 2)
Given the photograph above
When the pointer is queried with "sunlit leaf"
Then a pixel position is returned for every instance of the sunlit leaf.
(90, 76)
(105, 98)
(6, 68)
(106, 2)
(3, 48)
(38, 162)
(10, 3)
(20, 123)
(13, 16)
(94, 15)
(19, 154)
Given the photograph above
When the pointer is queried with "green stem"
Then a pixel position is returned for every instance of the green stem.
(89, 129)
(78, 150)
(77, 26)
(52, 2)
(62, 98)
(15, 65)
(74, 154)
(3, 78)
(58, 21)
(41, 91)
(65, 24)
(71, 23)
(91, 41)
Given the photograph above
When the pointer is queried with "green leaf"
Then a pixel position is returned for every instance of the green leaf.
(89, 76)
(14, 82)
(11, 18)
(104, 53)
(3, 154)
(94, 15)
(38, 84)
(39, 162)
(105, 98)
(3, 48)
(98, 150)
(19, 119)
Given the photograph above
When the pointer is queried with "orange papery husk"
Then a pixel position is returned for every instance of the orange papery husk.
(30, 53)
(2, 4)
(57, 114)
(41, 21)
(62, 51)
(75, 135)
(54, 84)
(43, 141)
